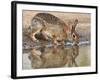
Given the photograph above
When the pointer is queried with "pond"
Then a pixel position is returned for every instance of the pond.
(56, 57)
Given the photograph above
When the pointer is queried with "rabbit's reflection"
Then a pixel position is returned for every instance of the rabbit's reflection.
(73, 52)
(56, 56)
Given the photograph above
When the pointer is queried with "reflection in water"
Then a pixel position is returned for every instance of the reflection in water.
(53, 57)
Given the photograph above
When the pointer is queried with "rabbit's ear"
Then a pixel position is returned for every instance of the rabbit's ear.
(75, 23)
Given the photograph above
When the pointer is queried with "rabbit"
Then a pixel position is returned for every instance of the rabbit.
(53, 27)
(56, 56)
(48, 59)
(74, 34)
(34, 57)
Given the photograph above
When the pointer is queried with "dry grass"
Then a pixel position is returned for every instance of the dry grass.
(82, 17)
(83, 27)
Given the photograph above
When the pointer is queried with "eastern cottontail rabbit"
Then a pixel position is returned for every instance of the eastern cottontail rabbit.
(52, 27)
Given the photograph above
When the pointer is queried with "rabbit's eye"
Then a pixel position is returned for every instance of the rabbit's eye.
(73, 36)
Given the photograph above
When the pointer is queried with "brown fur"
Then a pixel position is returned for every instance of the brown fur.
(54, 26)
